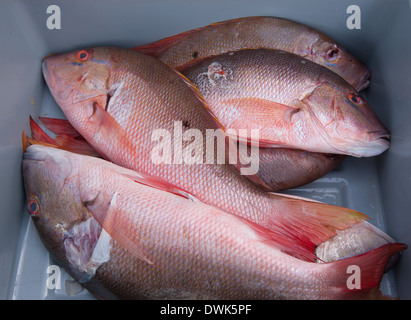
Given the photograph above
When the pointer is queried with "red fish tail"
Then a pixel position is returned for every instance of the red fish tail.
(304, 224)
(67, 137)
(38, 133)
(359, 277)
(59, 126)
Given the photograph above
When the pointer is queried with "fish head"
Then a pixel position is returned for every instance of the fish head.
(65, 225)
(342, 117)
(78, 76)
(327, 53)
(52, 191)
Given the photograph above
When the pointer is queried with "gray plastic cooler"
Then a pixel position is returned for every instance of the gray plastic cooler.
(378, 186)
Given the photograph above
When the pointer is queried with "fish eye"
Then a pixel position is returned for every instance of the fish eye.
(355, 98)
(332, 54)
(82, 55)
(33, 206)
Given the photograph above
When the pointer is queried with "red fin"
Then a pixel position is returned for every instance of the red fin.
(66, 139)
(278, 239)
(25, 141)
(79, 146)
(109, 130)
(261, 114)
(59, 126)
(38, 133)
(295, 197)
(39, 142)
(236, 20)
(153, 48)
(304, 224)
(70, 140)
(370, 269)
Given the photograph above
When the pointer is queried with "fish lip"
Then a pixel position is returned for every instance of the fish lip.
(363, 86)
(379, 135)
(376, 142)
(370, 148)
(363, 82)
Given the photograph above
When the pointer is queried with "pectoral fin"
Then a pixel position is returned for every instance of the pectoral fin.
(272, 119)
(102, 206)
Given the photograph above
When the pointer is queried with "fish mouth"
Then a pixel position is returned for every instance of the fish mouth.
(362, 82)
(381, 136)
(372, 148)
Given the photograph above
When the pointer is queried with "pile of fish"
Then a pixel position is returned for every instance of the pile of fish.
(132, 213)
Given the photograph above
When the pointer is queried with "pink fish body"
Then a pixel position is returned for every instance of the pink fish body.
(159, 243)
(293, 102)
(255, 33)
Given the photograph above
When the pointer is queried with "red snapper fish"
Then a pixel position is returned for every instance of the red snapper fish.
(257, 33)
(293, 102)
(128, 235)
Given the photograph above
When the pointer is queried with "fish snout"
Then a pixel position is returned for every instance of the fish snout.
(376, 143)
(362, 82)
(382, 136)
(55, 74)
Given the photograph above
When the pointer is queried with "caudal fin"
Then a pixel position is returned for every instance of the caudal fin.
(359, 277)
(67, 138)
(304, 224)
(59, 126)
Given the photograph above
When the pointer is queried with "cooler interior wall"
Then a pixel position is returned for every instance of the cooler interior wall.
(379, 187)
